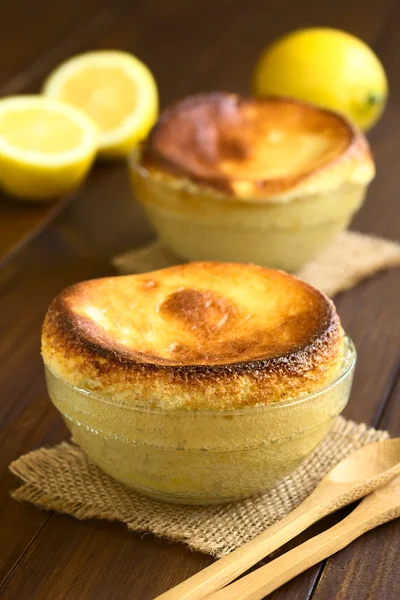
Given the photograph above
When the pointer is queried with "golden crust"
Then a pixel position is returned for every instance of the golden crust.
(254, 148)
(200, 335)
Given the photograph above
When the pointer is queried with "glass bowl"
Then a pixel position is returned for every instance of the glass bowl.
(203, 456)
(198, 223)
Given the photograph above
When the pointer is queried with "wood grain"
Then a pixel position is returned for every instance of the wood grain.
(107, 554)
(31, 30)
(190, 48)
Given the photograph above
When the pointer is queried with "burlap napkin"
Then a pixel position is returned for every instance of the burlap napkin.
(350, 258)
(64, 480)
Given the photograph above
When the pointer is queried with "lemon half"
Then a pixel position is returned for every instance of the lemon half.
(46, 147)
(327, 67)
(115, 89)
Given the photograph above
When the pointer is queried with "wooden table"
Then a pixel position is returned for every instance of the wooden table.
(190, 47)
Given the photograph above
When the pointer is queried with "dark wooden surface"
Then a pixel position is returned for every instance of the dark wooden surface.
(190, 47)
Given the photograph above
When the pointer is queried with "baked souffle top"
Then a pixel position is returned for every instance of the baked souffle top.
(200, 335)
(256, 148)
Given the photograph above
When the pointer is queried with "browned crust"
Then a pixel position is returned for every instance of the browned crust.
(223, 387)
(78, 351)
(64, 331)
(354, 145)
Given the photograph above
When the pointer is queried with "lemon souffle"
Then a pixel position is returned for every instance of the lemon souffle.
(269, 181)
(200, 383)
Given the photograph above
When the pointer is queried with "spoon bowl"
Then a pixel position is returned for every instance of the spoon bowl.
(367, 463)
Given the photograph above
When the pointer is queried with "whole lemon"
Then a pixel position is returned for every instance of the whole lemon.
(327, 67)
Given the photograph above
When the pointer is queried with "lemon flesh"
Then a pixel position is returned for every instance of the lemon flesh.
(327, 67)
(32, 129)
(46, 147)
(116, 90)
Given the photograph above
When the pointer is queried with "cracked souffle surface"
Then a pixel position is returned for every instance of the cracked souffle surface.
(196, 336)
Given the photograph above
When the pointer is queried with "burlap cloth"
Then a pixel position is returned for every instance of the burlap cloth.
(350, 258)
(63, 479)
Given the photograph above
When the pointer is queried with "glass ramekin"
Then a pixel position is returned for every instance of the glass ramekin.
(203, 456)
(197, 223)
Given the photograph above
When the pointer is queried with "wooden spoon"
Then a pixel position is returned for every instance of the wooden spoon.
(356, 476)
(379, 507)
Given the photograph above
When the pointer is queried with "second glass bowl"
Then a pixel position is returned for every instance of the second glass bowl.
(198, 223)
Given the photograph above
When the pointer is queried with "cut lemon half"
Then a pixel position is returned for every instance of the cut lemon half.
(46, 147)
(115, 89)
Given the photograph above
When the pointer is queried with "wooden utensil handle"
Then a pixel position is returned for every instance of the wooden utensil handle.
(268, 578)
(229, 567)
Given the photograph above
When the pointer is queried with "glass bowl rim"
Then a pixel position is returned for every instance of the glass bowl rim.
(133, 161)
(347, 368)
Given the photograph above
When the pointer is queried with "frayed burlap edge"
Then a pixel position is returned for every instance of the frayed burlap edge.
(348, 260)
(64, 480)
